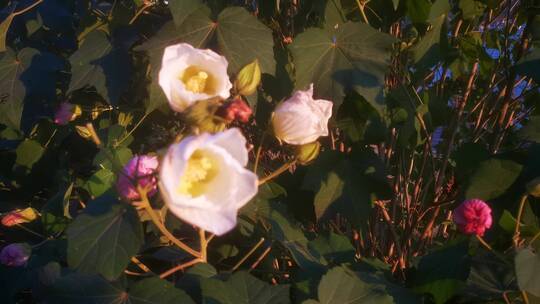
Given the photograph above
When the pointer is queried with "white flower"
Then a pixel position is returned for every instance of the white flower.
(203, 180)
(301, 119)
(189, 75)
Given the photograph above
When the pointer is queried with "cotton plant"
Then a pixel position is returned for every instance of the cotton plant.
(202, 178)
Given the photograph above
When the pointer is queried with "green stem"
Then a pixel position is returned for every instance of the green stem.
(258, 154)
(518, 220)
(131, 131)
(204, 244)
(276, 173)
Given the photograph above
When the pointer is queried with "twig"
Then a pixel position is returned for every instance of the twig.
(276, 173)
(518, 220)
(259, 260)
(24, 10)
(179, 267)
(261, 241)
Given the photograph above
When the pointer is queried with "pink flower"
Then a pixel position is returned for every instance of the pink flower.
(473, 217)
(238, 109)
(140, 170)
(66, 112)
(15, 255)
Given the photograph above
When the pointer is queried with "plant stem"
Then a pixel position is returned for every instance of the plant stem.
(179, 267)
(259, 260)
(276, 173)
(204, 244)
(535, 237)
(154, 217)
(484, 243)
(131, 131)
(525, 297)
(31, 231)
(362, 12)
(24, 10)
(518, 220)
(261, 241)
(258, 154)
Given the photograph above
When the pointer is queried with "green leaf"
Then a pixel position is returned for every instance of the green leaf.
(101, 181)
(53, 214)
(242, 287)
(157, 291)
(471, 8)
(492, 178)
(334, 248)
(242, 39)
(529, 65)
(355, 56)
(93, 289)
(439, 7)
(341, 285)
(12, 89)
(104, 238)
(418, 10)
(531, 131)
(333, 15)
(528, 271)
(192, 21)
(427, 51)
(442, 273)
(28, 153)
(97, 63)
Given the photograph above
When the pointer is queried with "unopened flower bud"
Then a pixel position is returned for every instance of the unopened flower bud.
(19, 216)
(140, 170)
(533, 187)
(248, 78)
(66, 112)
(238, 109)
(15, 255)
(307, 153)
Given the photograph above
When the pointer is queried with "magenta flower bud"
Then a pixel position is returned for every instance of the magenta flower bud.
(473, 217)
(15, 255)
(66, 112)
(140, 170)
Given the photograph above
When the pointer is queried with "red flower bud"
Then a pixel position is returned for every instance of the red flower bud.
(238, 109)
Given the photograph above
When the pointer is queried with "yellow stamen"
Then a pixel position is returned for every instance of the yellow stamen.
(197, 80)
(200, 171)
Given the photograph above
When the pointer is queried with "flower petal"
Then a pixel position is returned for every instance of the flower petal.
(233, 142)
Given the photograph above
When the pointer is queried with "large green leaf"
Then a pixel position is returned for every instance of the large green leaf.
(528, 271)
(492, 178)
(341, 285)
(97, 63)
(28, 153)
(101, 181)
(104, 238)
(242, 38)
(529, 65)
(355, 56)
(531, 131)
(418, 10)
(334, 248)
(27, 73)
(93, 289)
(427, 51)
(242, 287)
(443, 273)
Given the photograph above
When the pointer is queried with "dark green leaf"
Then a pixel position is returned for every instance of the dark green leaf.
(531, 131)
(528, 271)
(104, 238)
(242, 38)
(93, 289)
(442, 273)
(101, 181)
(355, 56)
(427, 51)
(341, 285)
(242, 287)
(97, 63)
(334, 248)
(492, 178)
(418, 10)
(471, 8)
(28, 153)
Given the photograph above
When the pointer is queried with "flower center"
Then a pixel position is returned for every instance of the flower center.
(200, 171)
(197, 80)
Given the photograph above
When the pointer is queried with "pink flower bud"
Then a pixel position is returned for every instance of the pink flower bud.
(15, 255)
(473, 217)
(66, 112)
(19, 216)
(140, 170)
(238, 109)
